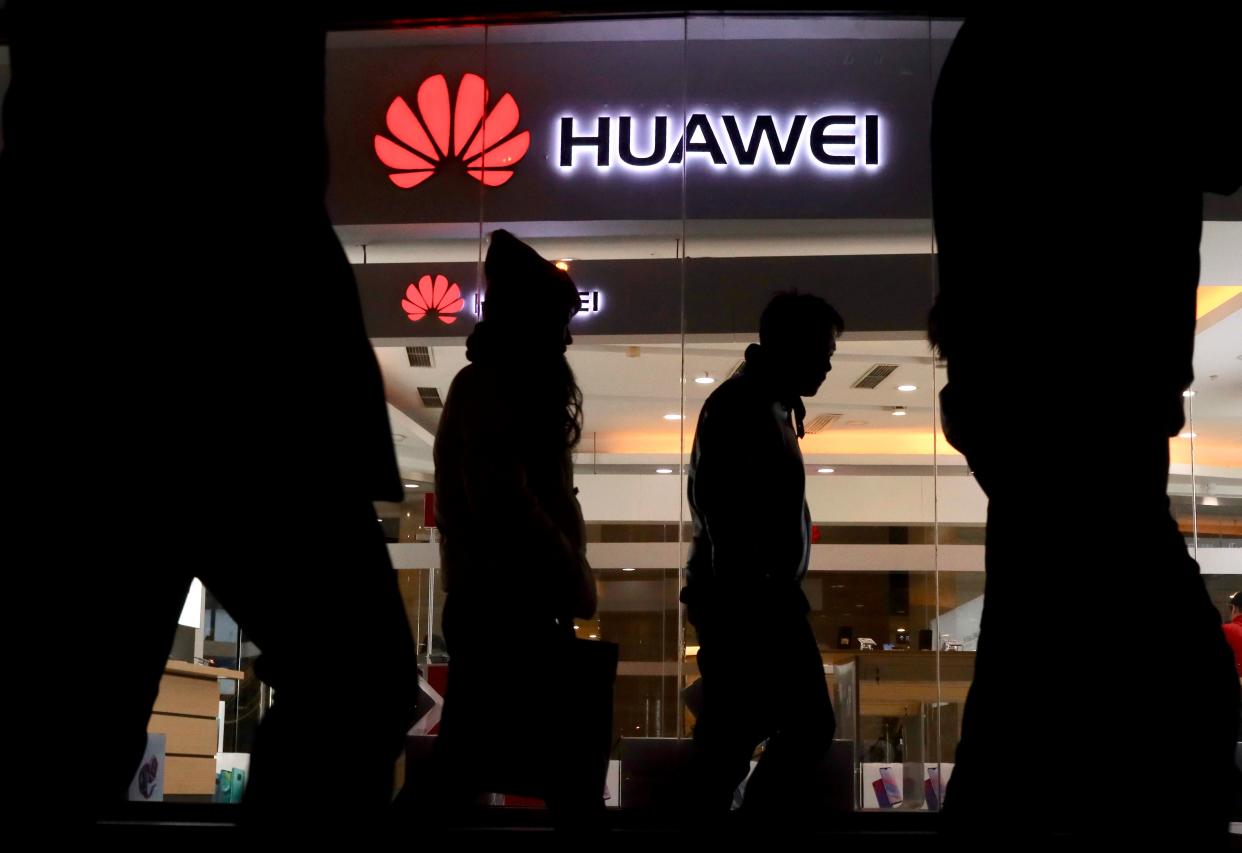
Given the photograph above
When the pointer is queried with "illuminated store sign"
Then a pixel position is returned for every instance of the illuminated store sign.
(433, 297)
(591, 301)
(487, 145)
(845, 140)
(438, 132)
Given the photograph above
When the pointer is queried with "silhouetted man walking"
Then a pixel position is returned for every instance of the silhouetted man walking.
(1068, 258)
(763, 677)
(203, 381)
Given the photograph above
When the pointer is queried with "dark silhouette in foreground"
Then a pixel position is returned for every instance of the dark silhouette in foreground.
(1068, 261)
(203, 390)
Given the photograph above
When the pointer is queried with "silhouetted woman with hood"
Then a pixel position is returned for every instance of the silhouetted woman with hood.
(513, 550)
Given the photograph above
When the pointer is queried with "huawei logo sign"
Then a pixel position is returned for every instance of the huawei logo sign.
(439, 132)
(436, 297)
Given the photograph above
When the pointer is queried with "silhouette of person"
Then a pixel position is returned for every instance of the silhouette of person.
(513, 551)
(762, 674)
(202, 373)
(1068, 262)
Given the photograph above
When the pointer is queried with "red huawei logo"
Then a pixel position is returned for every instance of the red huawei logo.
(479, 139)
(429, 296)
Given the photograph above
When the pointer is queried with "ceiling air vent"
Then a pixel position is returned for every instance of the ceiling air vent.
(419, 356)
(819, 423)
(431, 398)
(873, 377)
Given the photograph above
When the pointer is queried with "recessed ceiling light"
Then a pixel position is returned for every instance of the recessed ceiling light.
(629, 570)
(595, 636)
(1188, 393)
(907, 387)
(899, 413)
(1189, 435)
(826, 470)
(664, 470)
(704, 380)
(672, 417)
(1211, 500)
(411, 485)
(901, 630)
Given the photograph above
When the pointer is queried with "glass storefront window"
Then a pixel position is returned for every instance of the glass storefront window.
(684, 170)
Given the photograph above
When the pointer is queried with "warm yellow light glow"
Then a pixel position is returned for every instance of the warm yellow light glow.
(1212, 450)
(835, 443)
(1210, 297)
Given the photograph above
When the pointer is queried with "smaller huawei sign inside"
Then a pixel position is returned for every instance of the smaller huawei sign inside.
(590, 302)
(435, 297)
(438, 133)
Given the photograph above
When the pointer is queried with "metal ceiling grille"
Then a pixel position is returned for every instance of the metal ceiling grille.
(873, 377)
(819, 423)
(419, 356)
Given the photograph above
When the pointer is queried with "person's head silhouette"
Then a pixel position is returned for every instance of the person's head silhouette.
(525, 329)
(798, 334)
(528, 298)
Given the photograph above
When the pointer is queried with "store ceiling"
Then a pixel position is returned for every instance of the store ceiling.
(629, 390)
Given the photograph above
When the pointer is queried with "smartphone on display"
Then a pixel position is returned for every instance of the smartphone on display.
(880, 796)
(931, 788)
(891, 788)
